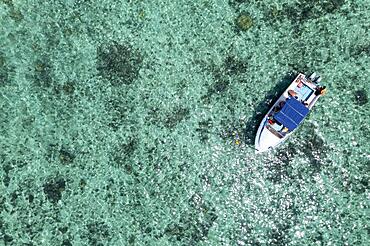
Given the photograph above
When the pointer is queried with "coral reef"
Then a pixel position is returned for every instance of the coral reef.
(119, 63)
(167, 118)
(236, 3)
(150, 139)
(244, 22)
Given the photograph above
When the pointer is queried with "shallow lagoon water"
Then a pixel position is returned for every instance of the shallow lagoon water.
(133, 123)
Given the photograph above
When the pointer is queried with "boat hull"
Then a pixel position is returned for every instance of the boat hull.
(267, 140)
(267, 137)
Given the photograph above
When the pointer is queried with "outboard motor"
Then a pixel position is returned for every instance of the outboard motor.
(312, 77)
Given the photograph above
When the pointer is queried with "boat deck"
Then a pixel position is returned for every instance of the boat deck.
(304, 88)
(289, 113)
(304, 92)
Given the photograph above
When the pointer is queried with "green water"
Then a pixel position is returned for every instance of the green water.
(133, 123)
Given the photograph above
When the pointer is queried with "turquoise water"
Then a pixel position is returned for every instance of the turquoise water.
(133, 123)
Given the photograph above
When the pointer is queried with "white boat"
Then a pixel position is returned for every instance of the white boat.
(288, 112)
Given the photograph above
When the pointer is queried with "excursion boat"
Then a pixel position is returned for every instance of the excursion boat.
(288, 112)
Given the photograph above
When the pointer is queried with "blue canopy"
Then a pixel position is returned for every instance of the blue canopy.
(292, 113)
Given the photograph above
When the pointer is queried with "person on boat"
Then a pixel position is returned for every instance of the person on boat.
(292, 93)
(271, 121)
(280, 106)
(320, 91)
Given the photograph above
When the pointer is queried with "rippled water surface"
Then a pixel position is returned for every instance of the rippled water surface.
(132, 122)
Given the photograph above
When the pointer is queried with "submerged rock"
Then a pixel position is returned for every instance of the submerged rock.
(53, 190)
(361, 97)
(66, 157)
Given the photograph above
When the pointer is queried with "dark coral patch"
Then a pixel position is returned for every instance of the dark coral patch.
(234, 66)
(65, 156)
(233, 131)
(236, 3)
(360, 50)
(361, 97)
(167, 118)
(301, 12)
(331, 6)
(312, 9)
(231, 68)
(176, 116)
(7, 168)
(195, 224)
(2, 60)
(119, 63)
(280, 169)
(53, 190)
(7, 239)
(6, 180)
(63, 229)
(30, 198)
(97, 233)
(7, 2)
(220, 86)
(16, 15)
(203, 130)
(66, 242)
(68, 88)
(4, 70)
(82, 184)
(43, 73)
(359, 185)
(119, 108)
(60, 154)
(124, 153)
